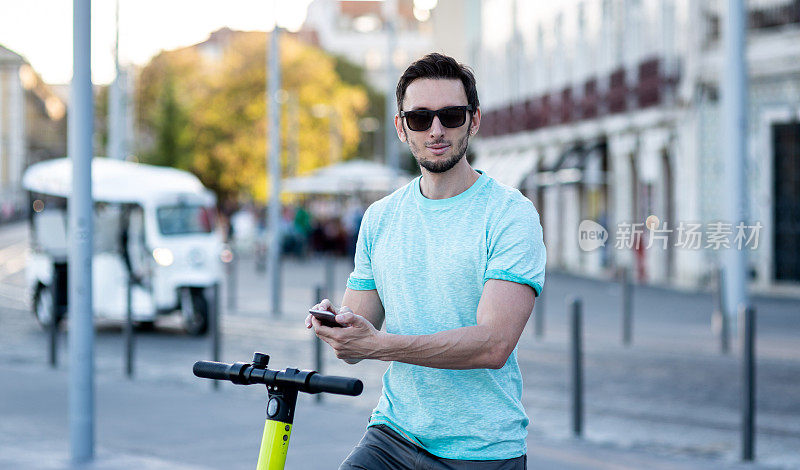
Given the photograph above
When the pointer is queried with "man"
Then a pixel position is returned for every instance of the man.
(452, 262)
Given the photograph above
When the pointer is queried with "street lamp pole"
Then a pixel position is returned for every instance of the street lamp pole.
(734, 112)
(294, 135)
(116, 103)
(274, 165)
(392, 154)
(81, 227)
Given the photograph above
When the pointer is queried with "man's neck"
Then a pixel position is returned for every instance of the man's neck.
(448, 184)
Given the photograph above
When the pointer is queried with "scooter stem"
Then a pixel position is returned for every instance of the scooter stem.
(277, 429)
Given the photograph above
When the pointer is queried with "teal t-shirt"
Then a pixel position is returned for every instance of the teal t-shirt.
(428, 260)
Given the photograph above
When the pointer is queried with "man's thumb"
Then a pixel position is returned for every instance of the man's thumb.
(347, 318)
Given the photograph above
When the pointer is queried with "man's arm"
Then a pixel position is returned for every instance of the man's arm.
(503, 311)
(366, 303)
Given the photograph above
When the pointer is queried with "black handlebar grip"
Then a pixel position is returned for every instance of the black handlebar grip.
(212, 370)
(333, 384)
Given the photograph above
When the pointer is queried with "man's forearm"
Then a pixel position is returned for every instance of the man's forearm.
(471, 347)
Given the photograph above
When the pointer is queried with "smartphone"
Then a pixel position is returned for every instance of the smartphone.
(325, 317)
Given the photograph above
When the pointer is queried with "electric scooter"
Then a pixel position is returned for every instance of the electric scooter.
(282, 387)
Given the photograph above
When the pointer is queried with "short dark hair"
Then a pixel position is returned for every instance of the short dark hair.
(435, 65)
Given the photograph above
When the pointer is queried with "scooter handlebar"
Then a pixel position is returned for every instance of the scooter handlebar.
(212, 370)
(305, 381)
(334, 384)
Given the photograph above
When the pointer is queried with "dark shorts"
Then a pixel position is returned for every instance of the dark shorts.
(382, 448)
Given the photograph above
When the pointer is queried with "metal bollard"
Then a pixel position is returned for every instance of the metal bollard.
(129, 328)
(747, 316)
(318, 344)
(538, 317)
(719, 318)
(627, 305)
(53, 326)
(232, 278)
(577, 367)
(214, 321)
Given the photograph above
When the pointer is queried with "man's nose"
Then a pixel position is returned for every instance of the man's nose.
(437, 129)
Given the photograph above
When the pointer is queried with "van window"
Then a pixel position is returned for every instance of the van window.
(107, 219)
(185, 220)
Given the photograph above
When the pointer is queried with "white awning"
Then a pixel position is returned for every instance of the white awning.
(348, 178)
(509, 169)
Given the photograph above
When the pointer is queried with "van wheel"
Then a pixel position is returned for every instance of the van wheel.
(44, 307)
(194, 309)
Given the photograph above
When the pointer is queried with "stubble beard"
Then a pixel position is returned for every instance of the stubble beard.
(440, 166)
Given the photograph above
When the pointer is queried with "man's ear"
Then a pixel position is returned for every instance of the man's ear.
(398, 125)
(475, 122)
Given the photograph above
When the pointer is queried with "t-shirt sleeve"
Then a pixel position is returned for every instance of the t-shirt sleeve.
(516, 248)
(361, 278)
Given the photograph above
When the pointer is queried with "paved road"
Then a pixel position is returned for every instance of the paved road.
(190, 427)
(670, 398)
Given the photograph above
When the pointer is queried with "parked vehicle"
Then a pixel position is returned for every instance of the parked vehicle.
(155, 233)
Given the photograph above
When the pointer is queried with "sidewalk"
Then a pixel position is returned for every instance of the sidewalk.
(151, 426)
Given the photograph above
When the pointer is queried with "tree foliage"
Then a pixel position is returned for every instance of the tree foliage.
(376, 108)
(204, 109)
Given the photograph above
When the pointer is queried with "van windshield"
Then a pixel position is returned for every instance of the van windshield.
(185, 220)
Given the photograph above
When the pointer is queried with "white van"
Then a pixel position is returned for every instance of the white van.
(155, 231)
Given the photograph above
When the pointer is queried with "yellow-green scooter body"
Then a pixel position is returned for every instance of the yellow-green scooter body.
(274, 445)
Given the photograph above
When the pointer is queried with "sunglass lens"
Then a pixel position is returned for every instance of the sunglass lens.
(454, 117)
(418, 120)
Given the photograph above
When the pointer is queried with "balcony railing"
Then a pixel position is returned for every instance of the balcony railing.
(617, 96)
(588, 101)
(786, 14)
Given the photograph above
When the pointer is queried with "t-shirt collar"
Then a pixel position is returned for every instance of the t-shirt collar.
(437, 204)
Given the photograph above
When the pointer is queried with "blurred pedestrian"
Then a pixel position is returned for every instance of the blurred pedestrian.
(261, 241)
(334, 235)
(288, 232)
(302, 227)
(243, 229)
(351, 219)
(453, 262)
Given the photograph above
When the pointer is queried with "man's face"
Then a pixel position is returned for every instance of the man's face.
(438, 148)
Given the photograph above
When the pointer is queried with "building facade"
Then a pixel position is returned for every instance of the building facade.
(12, 133)
(609, 111)
(361, 32)
(32, 128)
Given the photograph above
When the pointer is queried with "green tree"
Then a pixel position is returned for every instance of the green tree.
(354, 75)
(205, 110)
(172, 134)
(101, 120)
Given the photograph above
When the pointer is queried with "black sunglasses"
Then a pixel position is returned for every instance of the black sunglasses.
(421, 119)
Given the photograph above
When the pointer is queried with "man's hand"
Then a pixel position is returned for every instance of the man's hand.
(324, 305)
(357, 339)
